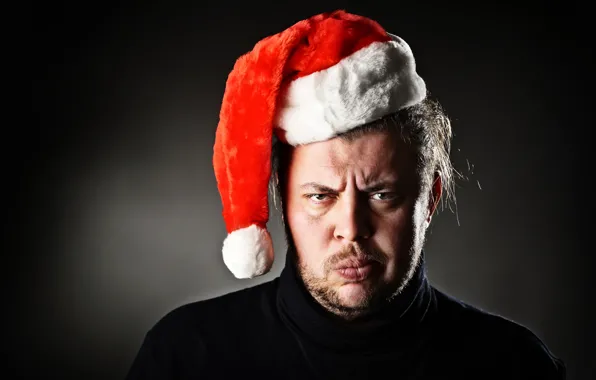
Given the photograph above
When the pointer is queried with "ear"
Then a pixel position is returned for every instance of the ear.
(436, 190)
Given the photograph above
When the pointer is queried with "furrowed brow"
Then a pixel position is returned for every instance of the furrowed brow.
(381, 185)
(317, 187)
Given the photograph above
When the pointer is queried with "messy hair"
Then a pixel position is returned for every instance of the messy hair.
(424, 127)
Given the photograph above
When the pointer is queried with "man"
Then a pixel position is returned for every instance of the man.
(332, 112)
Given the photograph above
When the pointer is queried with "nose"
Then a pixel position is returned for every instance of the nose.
(352, 220)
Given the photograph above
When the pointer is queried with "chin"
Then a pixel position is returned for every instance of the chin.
(355, 294)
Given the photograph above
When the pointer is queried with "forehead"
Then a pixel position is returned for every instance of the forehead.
(369, 156)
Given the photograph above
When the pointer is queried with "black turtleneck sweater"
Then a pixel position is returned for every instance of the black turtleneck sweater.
(276, 330)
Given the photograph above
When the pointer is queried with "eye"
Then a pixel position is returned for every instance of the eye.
(384, 196)
(317, 197)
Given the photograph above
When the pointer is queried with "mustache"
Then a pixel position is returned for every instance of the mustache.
(355, 252)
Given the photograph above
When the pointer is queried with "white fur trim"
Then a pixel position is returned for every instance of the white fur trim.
(248, 252)
(371, 83)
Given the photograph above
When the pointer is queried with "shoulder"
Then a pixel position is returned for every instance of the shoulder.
(209, 314)
(510, 345)
(189, 338)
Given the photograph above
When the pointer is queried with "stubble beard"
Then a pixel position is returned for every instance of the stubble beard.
(378, 292)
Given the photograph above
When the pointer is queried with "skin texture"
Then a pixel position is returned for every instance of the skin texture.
(360, 199)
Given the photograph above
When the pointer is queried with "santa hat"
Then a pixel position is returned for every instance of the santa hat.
(320, 77)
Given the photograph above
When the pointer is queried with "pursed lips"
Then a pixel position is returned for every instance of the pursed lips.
(355, 269)
(353, 263)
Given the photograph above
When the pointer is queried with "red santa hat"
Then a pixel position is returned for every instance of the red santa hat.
(322, 76)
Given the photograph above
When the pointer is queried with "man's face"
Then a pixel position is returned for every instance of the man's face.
(357, 215)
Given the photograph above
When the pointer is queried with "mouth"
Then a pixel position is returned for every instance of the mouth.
(355, 270)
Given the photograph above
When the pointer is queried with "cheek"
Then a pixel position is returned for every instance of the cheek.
(395, 232)
(309, 234)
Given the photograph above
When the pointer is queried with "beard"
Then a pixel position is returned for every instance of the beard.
(376, 291)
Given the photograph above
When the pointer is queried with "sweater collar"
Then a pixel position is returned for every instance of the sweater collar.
(393, 328)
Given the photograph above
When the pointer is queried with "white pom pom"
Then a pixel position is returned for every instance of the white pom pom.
(248, 252)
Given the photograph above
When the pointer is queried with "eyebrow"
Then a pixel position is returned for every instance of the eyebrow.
(318, 187)
(381, 185)
(375, 186)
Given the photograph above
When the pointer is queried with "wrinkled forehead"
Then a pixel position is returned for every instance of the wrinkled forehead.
(369, 157)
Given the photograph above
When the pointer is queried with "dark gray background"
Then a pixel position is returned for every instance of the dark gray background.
(113, 201)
